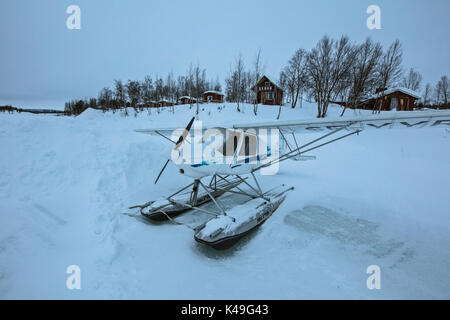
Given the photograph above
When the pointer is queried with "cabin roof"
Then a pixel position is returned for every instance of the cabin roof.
(186, 97)
(266, 77)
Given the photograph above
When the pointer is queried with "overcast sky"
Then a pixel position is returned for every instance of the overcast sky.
(43, 63)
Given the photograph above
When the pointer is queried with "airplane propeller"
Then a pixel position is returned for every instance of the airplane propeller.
(177, 145)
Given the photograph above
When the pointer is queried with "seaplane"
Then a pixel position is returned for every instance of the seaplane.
(224, 161)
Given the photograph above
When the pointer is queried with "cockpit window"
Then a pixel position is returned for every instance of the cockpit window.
(249, 146)
(230, 144)
(232, 140)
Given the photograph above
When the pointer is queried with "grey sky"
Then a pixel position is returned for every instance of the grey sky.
(43, 63)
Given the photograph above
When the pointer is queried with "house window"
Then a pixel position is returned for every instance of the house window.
(210, 98)
(269, 96)
(267, 84)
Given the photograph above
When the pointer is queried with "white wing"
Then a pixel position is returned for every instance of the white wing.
(402, 119)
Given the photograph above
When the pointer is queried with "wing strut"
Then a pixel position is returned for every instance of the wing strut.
(297, 151)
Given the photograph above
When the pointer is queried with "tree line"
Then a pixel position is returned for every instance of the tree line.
(144, 94)
(333, 70)
(339, 70)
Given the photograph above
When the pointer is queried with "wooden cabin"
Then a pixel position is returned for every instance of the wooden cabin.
(400, 99)
(267, 92)
(187, 100)
(213, 96)
(154, 104)
(150, 104)
(165, 103)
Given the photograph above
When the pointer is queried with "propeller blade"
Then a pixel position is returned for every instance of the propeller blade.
(160, 173)
(185, 133)
(178, 144)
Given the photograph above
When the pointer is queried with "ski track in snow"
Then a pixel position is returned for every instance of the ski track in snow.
(66, 184)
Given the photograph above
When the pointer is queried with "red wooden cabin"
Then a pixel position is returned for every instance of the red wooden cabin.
(213, 96)
(267, 92)
(165, 103)
(186, 100)
(400, 99)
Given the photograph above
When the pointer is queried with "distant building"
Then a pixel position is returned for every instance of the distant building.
(164, 103)
(150, 104)
(213, 96)
(154, 104)
(187, 100)
(267, 92)
(400, 99)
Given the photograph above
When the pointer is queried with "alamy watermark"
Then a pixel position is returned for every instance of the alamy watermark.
(374, 20)
(219, 146)
(74, 20)
(74, 279)
(374, 280)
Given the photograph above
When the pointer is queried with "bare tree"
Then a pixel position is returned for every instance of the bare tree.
(361, 78)
(104, 98)
(147, 90)
(171, 90)
(295, 75)
(257, 71)
(120, 95)
(389, 70)
(217, 86)
(236, 83)
(412, 80)
(328, 64)
(197, 85)
(190, 84)
(134, 92)
(283, 84)
(239, 71)
(442, 91)
(427, 94)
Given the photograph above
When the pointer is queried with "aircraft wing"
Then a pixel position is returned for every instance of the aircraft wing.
(404, 119)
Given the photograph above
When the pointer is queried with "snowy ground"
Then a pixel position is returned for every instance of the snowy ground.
(380, 198)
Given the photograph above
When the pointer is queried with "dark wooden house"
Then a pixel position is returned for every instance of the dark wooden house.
(187, 100)
(213, 96)
(154, 104)
(165, 103)
(400, 99)
(267, 92)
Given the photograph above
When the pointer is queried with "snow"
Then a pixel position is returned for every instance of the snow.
(380, 198)
(240, 218)
(186, 97)
(213, 91)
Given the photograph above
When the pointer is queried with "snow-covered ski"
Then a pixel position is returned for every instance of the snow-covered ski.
(224, 231)
(183, 200)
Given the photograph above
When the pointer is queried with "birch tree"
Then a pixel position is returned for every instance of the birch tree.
(295, 75)
(412, 80)
(389, 70)
(327, 64)
(239, 71)
(362, 77)
(427, 94)
(442, 92)
(257, 73)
